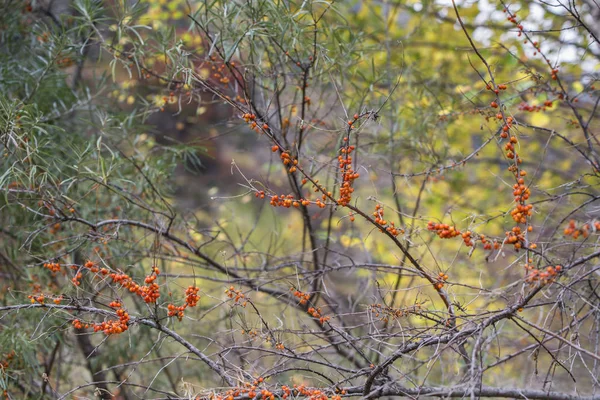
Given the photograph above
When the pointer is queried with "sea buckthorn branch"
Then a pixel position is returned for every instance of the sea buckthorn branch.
(564, 94)
(302, 273)
(254, 115)
(168, 235)
(416, 207)
(306, 68)
(508, 312)
(248, 282)
(300, 357)
(483, 60)
(338, 392)
(584, 230)
(455, 336)
(348, 175)
(521, 192)
(191, 300)
(132, 320)
(252, 118)
(248, 98)
(306, 302)
(465, 390)
(443, 295)
(392, 233)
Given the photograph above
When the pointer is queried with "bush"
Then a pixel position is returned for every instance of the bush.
(307, 199)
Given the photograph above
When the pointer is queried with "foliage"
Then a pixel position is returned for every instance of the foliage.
(273, 199)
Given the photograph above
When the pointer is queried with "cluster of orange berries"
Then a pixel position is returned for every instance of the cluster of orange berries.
(300, 295)
(191, 296)
(253, 122)
(252, 333)
(506, 128)
(240, 99)
(385, 312)
(41, 299)
(251, 391)
(312, 394)
(289, 201)
(191, 300)
(89, 265)
(510, 150)
(237, 296)
(109, 327)
(521, 192)
(534, 108)
(54, 267)
(37, 299)
(388, 226)
(441, 280)
(487, 245)
(316, 313)
(77, 324)
(112, 327)
(584, 231)
(149, 293)
(7, 359)
(266, 394)
(219, 72)
(231, 394)
(513, 18)
(543, 276)
(77, 279)
(93, 268)
(174, 310)
(54, 229)
(444, 231)
(348, 174)
(521, 212)
(288, 161)
(497, 90)
(516, 237)
(467, 238)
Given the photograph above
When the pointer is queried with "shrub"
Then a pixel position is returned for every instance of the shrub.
(409, 210)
